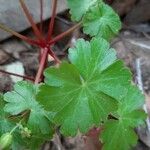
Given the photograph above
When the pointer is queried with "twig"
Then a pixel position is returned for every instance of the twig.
(42, 65)
(146, 35)
(140, 85)
(62, 35)
(17, 75)
(58, 143)
(30, 19)
(51, 24)
(41, 16)
(30, 41)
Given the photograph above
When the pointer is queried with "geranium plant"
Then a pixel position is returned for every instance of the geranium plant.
(93, 89)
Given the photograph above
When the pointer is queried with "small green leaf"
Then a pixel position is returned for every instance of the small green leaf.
(84, 93)
(79, 7)
(23, 99)
(7, 125)
(116, 136)
(101, 21)
(119, 134)
(6, 140)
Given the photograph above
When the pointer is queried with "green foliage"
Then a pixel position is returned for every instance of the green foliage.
(23, 99)
(6, 125)
(119, 134)
(101, 21)
(22, 102)
(76, 104)
(5, 140)
(79, 8)
(93, 89)
(84, 93)
(98, 18)
(98, 65)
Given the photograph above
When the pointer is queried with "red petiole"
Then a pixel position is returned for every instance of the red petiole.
(51, 24)
(17, 75)
(37, 33)
(44, 43)
(62, 35)
(47, 49)
(41, 16)
(42, 65)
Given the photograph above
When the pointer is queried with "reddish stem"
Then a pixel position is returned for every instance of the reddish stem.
(30, 41)
(57, 38)
(43, 61)
(51, 24)
(30, 19)
(41, 25)
(44, 52)
(47, 49)
(42, 65)
(17, 75)
(41, 16)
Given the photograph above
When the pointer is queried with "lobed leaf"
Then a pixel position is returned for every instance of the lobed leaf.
(6, 126)
(84, 93)
(119, 134)
(102, 21)
(23, 99)
(78, 8)
(97, 64)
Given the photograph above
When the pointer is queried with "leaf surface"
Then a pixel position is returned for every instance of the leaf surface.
(23, 99)
(83, 94)
(98, 65)
(79, 7)
(102, 21)
(7, 125)
(119, 134)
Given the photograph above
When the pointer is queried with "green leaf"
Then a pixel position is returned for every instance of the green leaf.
(6, 140)
(77, 104)
(83, 94)
(133, 100)
(119, 134)
(101, 21)
(97, 64)
(79, 7)
(116, 136)
(7, 125)
(23, 99)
